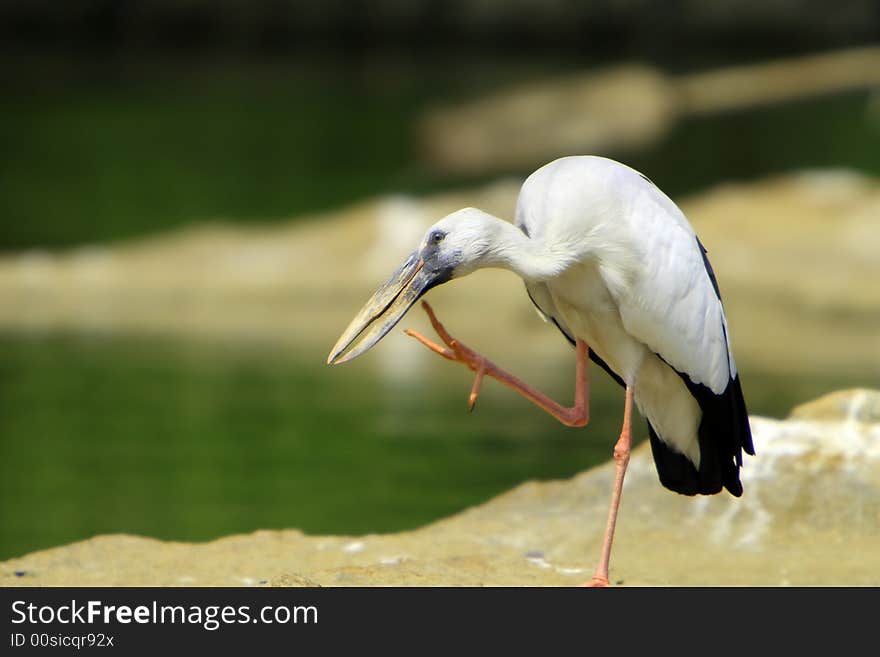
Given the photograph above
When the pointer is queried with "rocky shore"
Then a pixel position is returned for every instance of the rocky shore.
(810, 515)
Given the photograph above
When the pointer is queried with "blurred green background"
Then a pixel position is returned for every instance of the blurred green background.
(120, 123)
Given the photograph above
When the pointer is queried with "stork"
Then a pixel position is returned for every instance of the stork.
(614, 264)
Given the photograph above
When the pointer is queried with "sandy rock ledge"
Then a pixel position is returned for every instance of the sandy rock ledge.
(810, 516)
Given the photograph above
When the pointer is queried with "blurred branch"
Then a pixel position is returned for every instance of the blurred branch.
(778, 81)
(622, 108)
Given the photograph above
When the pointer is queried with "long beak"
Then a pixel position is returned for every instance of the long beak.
(384, 309)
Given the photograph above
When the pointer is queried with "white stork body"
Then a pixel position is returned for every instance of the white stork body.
(613, 262)
(639, 294)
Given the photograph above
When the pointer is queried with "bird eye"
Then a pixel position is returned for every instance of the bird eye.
(437, 236)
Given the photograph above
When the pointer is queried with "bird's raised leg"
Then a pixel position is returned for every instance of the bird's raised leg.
(621, 459)
(575, 416)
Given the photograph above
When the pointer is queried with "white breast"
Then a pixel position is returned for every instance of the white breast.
(585, 305)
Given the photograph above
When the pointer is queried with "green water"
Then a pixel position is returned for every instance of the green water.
(190, 441)
(186, 441)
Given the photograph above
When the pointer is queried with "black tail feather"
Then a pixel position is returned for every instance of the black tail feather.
(676, 472)
(723, 434)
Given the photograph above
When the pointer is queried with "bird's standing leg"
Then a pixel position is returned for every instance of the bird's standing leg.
(621, 459)
(575, 416)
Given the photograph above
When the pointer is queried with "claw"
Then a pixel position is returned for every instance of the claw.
(433, 346)
(441, 330)
(478, 382)
(454, 351)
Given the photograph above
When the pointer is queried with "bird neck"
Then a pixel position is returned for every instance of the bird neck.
(510, 248)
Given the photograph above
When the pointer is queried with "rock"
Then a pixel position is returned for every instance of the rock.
(858, 405)
(294, 580)
(809, 516)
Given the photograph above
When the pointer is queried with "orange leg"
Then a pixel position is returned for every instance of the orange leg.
(578, 415)
(621, 459)
(575, 416)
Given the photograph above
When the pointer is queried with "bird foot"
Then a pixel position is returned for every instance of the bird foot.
(575, 416)
(596, 582)
(454, 351)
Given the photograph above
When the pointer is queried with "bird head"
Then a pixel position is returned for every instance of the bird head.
(452, 247)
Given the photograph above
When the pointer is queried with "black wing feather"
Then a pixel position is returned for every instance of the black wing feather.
(723, 434)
